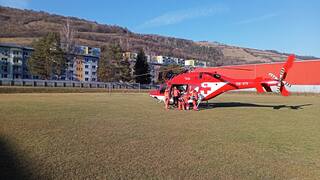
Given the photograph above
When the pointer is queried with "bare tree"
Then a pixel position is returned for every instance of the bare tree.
(67, 37)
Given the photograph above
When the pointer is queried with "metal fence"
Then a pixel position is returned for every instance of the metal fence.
(73, 84)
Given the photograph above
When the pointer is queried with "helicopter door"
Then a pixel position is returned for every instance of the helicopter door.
(183, 88)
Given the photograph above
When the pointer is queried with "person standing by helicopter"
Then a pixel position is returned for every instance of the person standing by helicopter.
(167, 98)
(176, 95)
(194, 97)
(186, 98)
(181, 102)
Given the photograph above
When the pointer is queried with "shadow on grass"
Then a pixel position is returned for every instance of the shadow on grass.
(204, 106)
(10, 166)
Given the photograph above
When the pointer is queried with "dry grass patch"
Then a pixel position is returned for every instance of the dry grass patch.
(131, 136)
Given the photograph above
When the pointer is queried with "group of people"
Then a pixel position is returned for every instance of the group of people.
(181, 98)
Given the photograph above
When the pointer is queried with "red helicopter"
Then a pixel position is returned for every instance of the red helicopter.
(210, 85)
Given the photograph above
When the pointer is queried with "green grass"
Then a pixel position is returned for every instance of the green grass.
(131, 136)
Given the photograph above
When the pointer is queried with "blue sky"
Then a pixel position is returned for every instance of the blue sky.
(291, 26)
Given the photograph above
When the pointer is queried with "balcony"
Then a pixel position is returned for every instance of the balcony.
(17, 72)
(17, 69)
(17, 55)
(4, 63)
(17, 76)
(5, 71)
(17, 61)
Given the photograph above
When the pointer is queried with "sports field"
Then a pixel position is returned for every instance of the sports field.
(131, 136)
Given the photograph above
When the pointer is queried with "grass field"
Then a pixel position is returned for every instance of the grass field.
(131, 136)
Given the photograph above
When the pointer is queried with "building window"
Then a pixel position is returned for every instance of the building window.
(93, 79)
(86, 79)
(93, 67)
(94, 73)
(4, 75)
(87, 66)
(15, 60)
(16, 68)
(4, 52)
(87, 72)
(5, 68)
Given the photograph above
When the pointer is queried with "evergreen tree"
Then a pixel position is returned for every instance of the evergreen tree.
(48, 59)
(115, 53)
(115, 56)
(105, 66)
(37, 62)
(141, 69)
(112, 66)
(125, 71)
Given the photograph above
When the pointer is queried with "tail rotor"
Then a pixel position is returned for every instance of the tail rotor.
(282, 84)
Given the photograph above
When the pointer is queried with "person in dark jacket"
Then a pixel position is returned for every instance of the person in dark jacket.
(176, 95)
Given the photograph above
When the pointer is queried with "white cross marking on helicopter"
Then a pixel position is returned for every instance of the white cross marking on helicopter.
(209, 87)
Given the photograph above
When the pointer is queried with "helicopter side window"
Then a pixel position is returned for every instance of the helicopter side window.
(206, 75)
(217, 76)
(182, 88)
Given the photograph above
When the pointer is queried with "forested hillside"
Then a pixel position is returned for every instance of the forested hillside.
(24, 26)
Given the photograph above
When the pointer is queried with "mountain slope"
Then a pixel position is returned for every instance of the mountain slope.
(24, 26)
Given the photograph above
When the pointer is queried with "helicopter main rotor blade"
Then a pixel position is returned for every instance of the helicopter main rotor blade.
(234, 68)
(286, 83)
(282, 71)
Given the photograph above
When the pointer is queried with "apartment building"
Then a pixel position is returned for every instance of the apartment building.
(195, 63)
(200, 64)
(13, 61)
(190, 62)
(154, 71)
(83, 65)
(131, 56)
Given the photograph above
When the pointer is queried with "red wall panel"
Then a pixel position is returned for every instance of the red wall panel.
(301, 73)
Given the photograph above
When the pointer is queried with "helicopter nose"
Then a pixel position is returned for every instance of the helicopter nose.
(154, 93)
